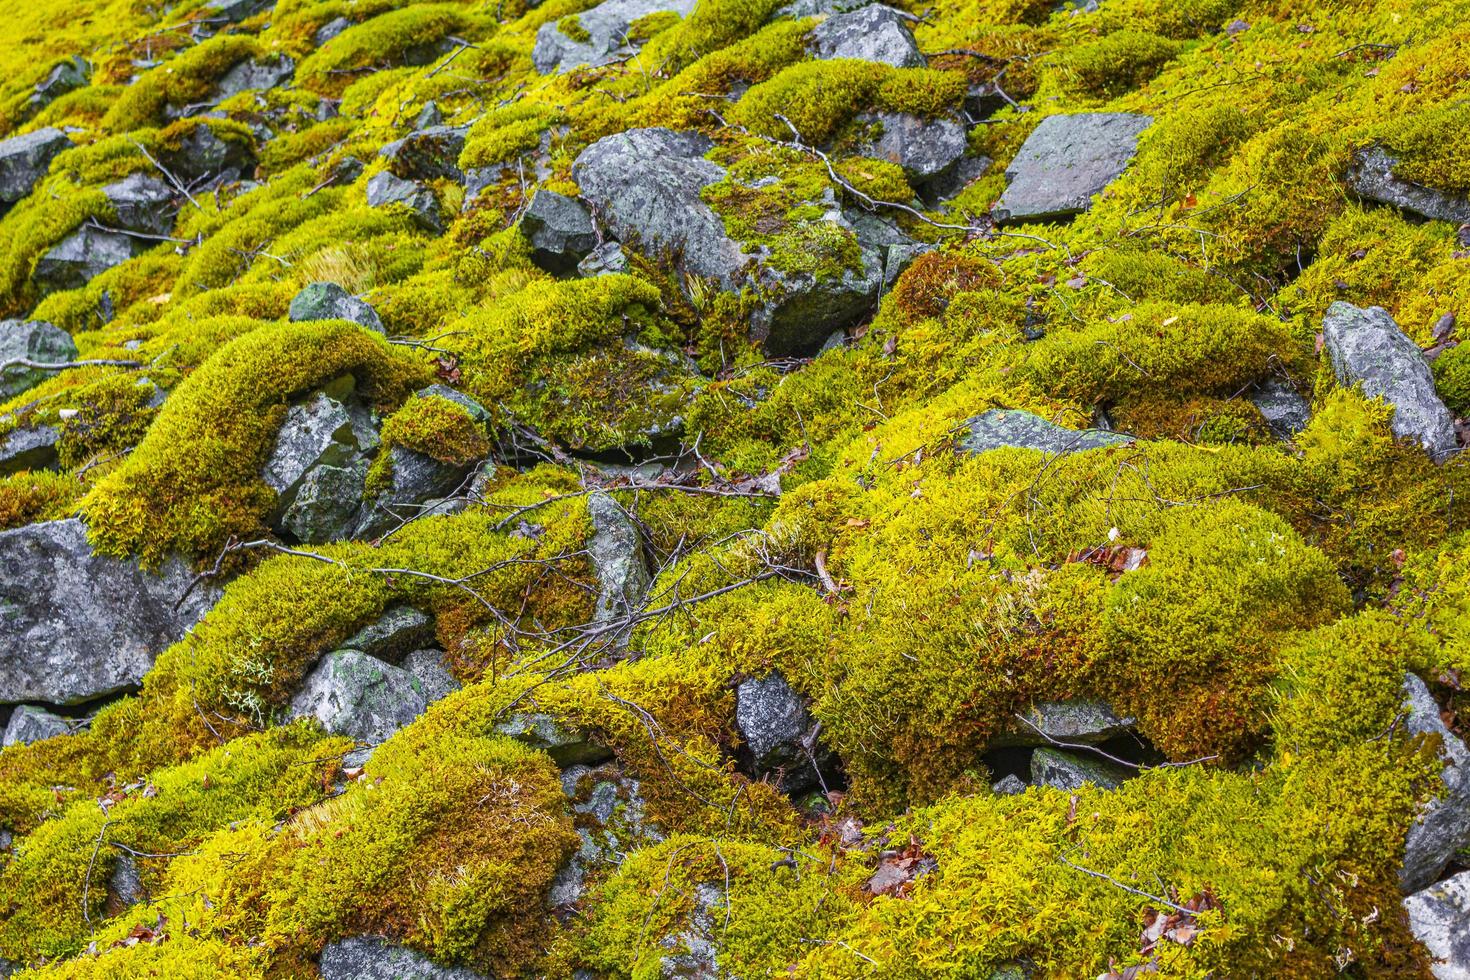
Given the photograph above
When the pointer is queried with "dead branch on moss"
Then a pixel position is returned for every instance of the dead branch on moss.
(91, 863)
(1127, 888)
(25, 362)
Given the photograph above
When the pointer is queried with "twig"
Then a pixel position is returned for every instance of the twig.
(178, 184)
(1116, 883)
(91, 862)
(25, 362)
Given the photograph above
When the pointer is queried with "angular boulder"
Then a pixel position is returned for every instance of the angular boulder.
(392, 635)
(566, 746)
(1065, 162)
(1286, 413)
(426, 153)
(376, 958)
(1439, 917)
(432, 673)
(1367, 348)
(616, 554)
(611, 819)
(329, 301)
(30, 340)
(1008, 785)
(322, 443)
(1071, 771)
(82, 256)
(254, 74)
(30, 448)
(204, 155)
(872, 33)
(65, 76)
(235, 11)
(1076, 720)
(926, 149)
(25, 159)
(559, 231)
(77, 625)
(1443, 825)
(29, 723)
(386, 190)
(420, 484)
(1371, 177)
(359, 696)
(143, 203)
(780, 734)
(597, 36)
(1001, 427)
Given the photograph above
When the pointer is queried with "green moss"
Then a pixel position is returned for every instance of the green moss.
(438, 428)
(408, 34)
(36, 495)
(1430, 146)
(573, 29)
(181, 81)
(507, 132)
(1114, 64)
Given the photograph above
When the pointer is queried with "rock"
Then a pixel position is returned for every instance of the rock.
(82, 256)
(259, 74)
(433, 675)
(235, 11)
(393, 634)
(426, 153)
(871, 33)
(559, 230)
(925, 148)
(359, 696)
(1070, 771)
(318, 465)
(376, 958)
(1367, 348)
(1011, 785)
(693, 953)
(818, 8)
(644, 185)
(964, 173)
(894, 249)
(31, 448)
(776, 727)
(616, 554)
(203, 155)
(606, 259)
(32, 340)
(125, 884)
(429, 116)
(66, 76)
(143, 202)
(1000, 427)
(331, 29)
(602, 34)
(538, 730)
(79, 625)
(609, 814)
(1439, 917)
(329, 301)
(1285, 412)
(1371, 177)
(420, 484)
(384, 190)
(1077, 720)
(1064, 162)
(1443, 825)
(31, 724)
(25, 159)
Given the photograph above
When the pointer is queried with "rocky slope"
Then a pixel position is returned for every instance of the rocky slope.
(706, 488)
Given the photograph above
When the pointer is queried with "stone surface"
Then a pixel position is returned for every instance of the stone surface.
(1066, 161)
(924, 148)
(433, 675)
(606, 259)
(1286, 412)
(125, 884)
(871, 33)
(1011, 785)
(1443, 825)
(24, 160)
(204, 156)
(426, 153)
(29, 723)
(83, 255)
(1077, 720)
(77, 625)
(237, 10)
(393, 634)
(1069, 770)
(143, 203)
(376, 958)
(776, 727)
(66, 76)
(1371, 177)
(616, 553)
(318, 465)
(1367, 348)
(32, 340)
(1439, 917)
(420, 484)
(359, 696)
(559, 231)
(329, 301)
(609, 813)
(1000, 427)
(31, 448)
(384, 190)
(254, 74)
(693, 953)
(567, 747)
(605, 34)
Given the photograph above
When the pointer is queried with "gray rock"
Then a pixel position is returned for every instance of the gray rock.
(235, 11)
(616, 554)
(318, 465)
(82, 256)
(559, 230)
(66, 76)
(359, 696)
(1367, 348)
(125, 884)
(1371, 177)
(1070, 771)
(870, 33)
(693, 953)
(429, 116)
(894, 249)
(1000, 427)
(376, 958)
(324, 504)
(610, 816)
(1439, 917)
(143, 202)
(204, 155)
(604, 260)
(1286, 412)
(259, 74)
(925, 148)
(329, 301)
(32, 340)
(567, 747)
(24, 160)
(1443, 825)
(1077, 720)
(331, 29)
(426, 153)
(393, 634)
(385, 190)
(32, 724)
(1064, 162)
(776, 727)
(420, 485)
(644, 185)
(433, 675)
(606, 34)
(76, 625)
(31, 448)
(819, 8)
(1011, 785)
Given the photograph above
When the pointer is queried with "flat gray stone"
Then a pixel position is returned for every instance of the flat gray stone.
(559, 231)
(142, 202)
(385, 189)
(1000, 427)
(1285, 412)
(376, 958)
(32, 340)
(1076, 721)
(29, 723)
(616, 554)
(329, 301)
(606, 29)
(925, 148)
(433, 675)
(871, 33)
(359, 696)
(1071, 771)
(393, 634)
(610, 813)
(1065, 162)
(25, 159)
(66, 76)
(1443, 825)
(774, 723)
(1439, 917)
(426, 153)
(1011, 785)
(31, 448)
(567, 747)
(254, 74)
(1371, 177)
(1367, 348)
(82, 256)
(420, 484)
(235, 11)
(605, 260)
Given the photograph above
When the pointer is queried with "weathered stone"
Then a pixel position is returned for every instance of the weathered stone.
(606, 259)
(567, 747)
(318, 465)
(1371, 177)
(359, 696)
(1367, 348)
(1285, 412)
(1065, 162)
(32, 340)
(1069, 771)
(426, 153)
(329, 301)
(559, 231)
(125, 884)
(616, 554)
(325, 503)
(82, 256)
(235, 11)
(609, 811)
(429, 116)
(1077, 720)
(420, 484)
(1000, 427)
(259, 74)
(384, 190)
(433, 675)
(1439, 917)
(871, 33)
(1011, 785)
(79, 625)
(393, 634)
(204, 155)
(66, 76)
(602, 34)
(693, 953)
(31, 448)
(965, 172)
(331, 29)
(1443, 825)
(24, 160)
(143, 202)
(32, 724)
(924, 148)
(893, 248)
(779, 734)
(376, 958)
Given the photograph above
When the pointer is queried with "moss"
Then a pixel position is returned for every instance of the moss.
(507, 132)
(573, 29)
(33, 496)
(405, 35)
(181, 81)
(30, 230)
(1430, 147)
(1114, 64)
(112, 416)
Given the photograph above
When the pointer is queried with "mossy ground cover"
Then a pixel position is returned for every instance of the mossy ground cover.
(916, 595)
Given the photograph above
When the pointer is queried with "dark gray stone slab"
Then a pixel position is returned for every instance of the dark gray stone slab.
(1065, 162)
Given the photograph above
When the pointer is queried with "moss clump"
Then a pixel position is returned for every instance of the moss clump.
(573, 29)
(181, 81)
(1115, 63)
(33, 496)
(406, 35)
(507, 132)
(1452, 379)
(112, 415)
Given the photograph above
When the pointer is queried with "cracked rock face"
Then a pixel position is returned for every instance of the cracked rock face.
(329, 301)
(1443, 825)
(871, 33)
(31, 340)
(376, 958)
(360, 696)
(25, 159)
(1439, 917)
(1065, 162)
(318, 467)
